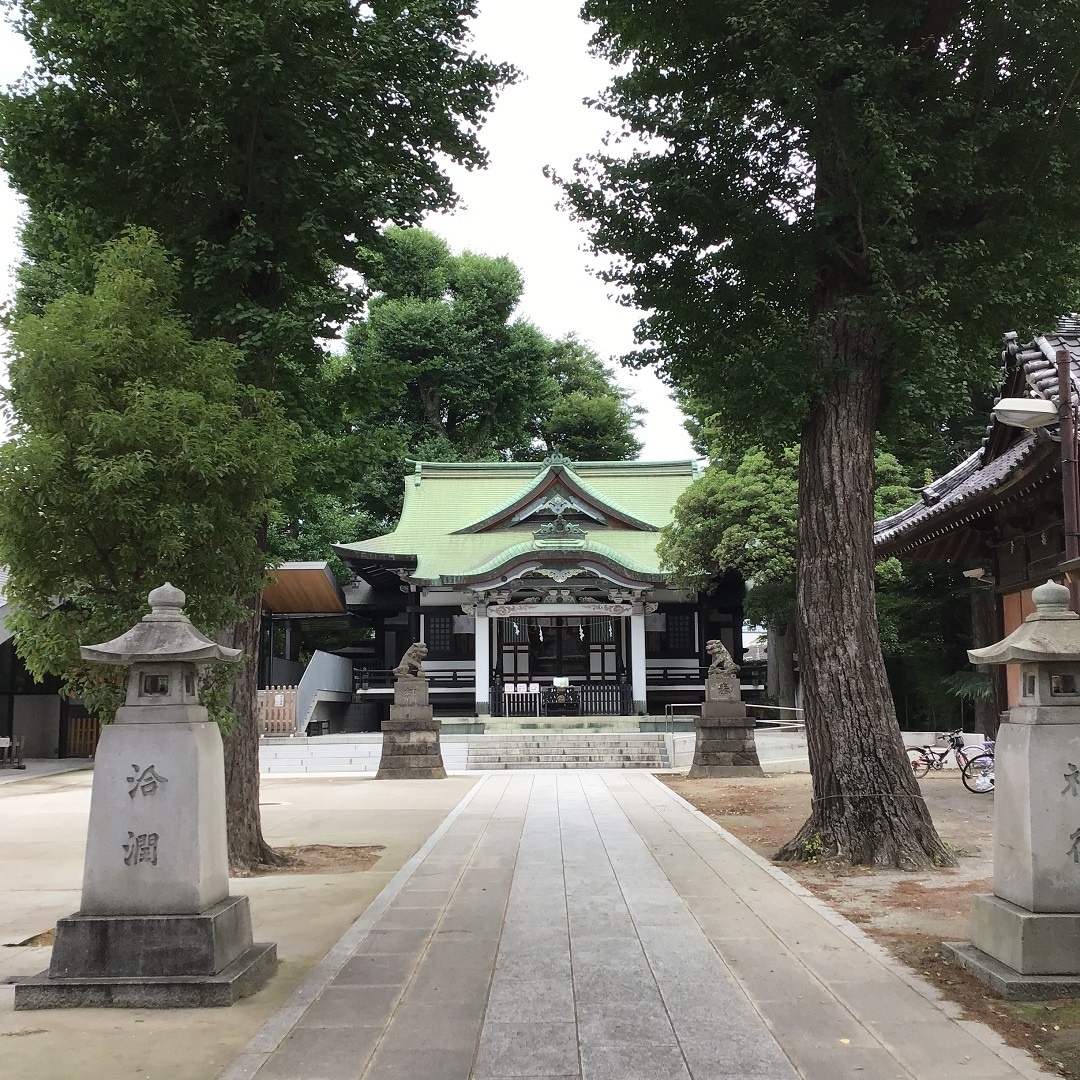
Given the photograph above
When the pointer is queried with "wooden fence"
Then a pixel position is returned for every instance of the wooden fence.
(82, 737)
(277, 710)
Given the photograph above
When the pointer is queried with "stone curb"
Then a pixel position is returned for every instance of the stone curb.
(267, 1039)
(1014, 1058)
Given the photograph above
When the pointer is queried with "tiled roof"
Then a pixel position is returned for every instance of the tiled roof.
(443, 498)
(973, 481)
(948, 495)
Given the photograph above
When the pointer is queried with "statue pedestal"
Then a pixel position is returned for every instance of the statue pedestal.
(725, 742)
(411, 749)
(156, 927)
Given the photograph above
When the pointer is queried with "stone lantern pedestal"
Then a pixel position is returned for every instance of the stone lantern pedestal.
(724, 735)
(157, 927)
(1025, 939)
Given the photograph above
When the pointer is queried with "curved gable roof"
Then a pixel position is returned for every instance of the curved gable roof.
(461, 516)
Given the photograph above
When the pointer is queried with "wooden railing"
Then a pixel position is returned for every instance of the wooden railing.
(277, 710)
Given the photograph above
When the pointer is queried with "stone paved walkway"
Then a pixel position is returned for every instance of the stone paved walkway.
(591, 925)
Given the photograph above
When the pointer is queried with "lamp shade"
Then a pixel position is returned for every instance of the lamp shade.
(1026, 412)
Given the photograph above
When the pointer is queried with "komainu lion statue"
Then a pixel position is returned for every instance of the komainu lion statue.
(411, 666)
(721, 664)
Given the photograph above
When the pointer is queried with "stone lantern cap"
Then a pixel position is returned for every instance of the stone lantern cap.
(164, 636)
(1050, 634)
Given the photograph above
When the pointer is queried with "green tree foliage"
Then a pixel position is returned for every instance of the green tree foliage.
(439, 354)
(136, 457)
(831, 205)
(740, 518)
(743, 518)
(266, 144)
(441, 363)
(590, 418)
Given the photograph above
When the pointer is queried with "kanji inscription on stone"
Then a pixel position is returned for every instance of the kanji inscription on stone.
(143, 849)
(1074, 851)
(1072, 781)
(146, 781)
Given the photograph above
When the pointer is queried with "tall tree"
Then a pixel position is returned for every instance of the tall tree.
(266, 144)
(833, 202)
(136, 456)
(742, 517)
(440, 354)
(590, 418)
(441, 361)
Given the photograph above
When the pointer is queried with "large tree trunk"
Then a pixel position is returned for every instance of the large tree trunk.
(247, 848)
(784, 637)
(772, 666)
(866, 804)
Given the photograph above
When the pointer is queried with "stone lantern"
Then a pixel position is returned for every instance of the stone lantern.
(1025, 939)
(156, 927)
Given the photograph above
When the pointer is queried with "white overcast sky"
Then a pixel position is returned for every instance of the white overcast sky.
(510, 208)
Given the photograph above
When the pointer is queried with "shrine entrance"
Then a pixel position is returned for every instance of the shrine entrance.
(578, 647)
(559, 648)
(560, 665)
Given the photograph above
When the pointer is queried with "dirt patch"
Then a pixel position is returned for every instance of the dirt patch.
(909, 913)
(43, 940)
(322, 859)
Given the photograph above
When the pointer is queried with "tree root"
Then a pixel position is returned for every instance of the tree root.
(843, 841)
(265, 856)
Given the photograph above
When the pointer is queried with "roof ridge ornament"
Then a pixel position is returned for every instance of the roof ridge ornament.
(560, 533)
(556, 458)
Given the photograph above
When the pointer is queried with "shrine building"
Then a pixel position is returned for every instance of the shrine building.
(537, 589)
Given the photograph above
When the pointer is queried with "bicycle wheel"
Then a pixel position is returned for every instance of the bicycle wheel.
(978, 774)
(917, 759)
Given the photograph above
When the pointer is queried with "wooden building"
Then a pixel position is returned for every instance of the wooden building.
(537, 589)
(999, 513)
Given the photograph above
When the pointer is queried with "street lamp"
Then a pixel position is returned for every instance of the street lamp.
(1031, 413)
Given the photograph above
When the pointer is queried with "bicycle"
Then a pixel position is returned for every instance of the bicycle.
(978, 773)
(978, 779)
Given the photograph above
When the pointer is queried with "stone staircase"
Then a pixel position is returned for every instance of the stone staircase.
(359, 754)
(566, 750)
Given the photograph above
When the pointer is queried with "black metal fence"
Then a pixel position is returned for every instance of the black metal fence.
(594, 698)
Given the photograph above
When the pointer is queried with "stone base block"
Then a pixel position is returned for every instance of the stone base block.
(411, 749)
(1028, 942)
(1006, 982)
(246, 975)
(412, 772)
(410, 691)
(704, 771)
(725, 710)
(152, 946)
(724, 744)
(420, 716)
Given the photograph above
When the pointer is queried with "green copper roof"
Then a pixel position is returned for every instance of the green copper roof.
(458, 517)
(552, 475)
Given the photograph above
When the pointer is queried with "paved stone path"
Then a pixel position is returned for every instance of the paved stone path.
(591, 925)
